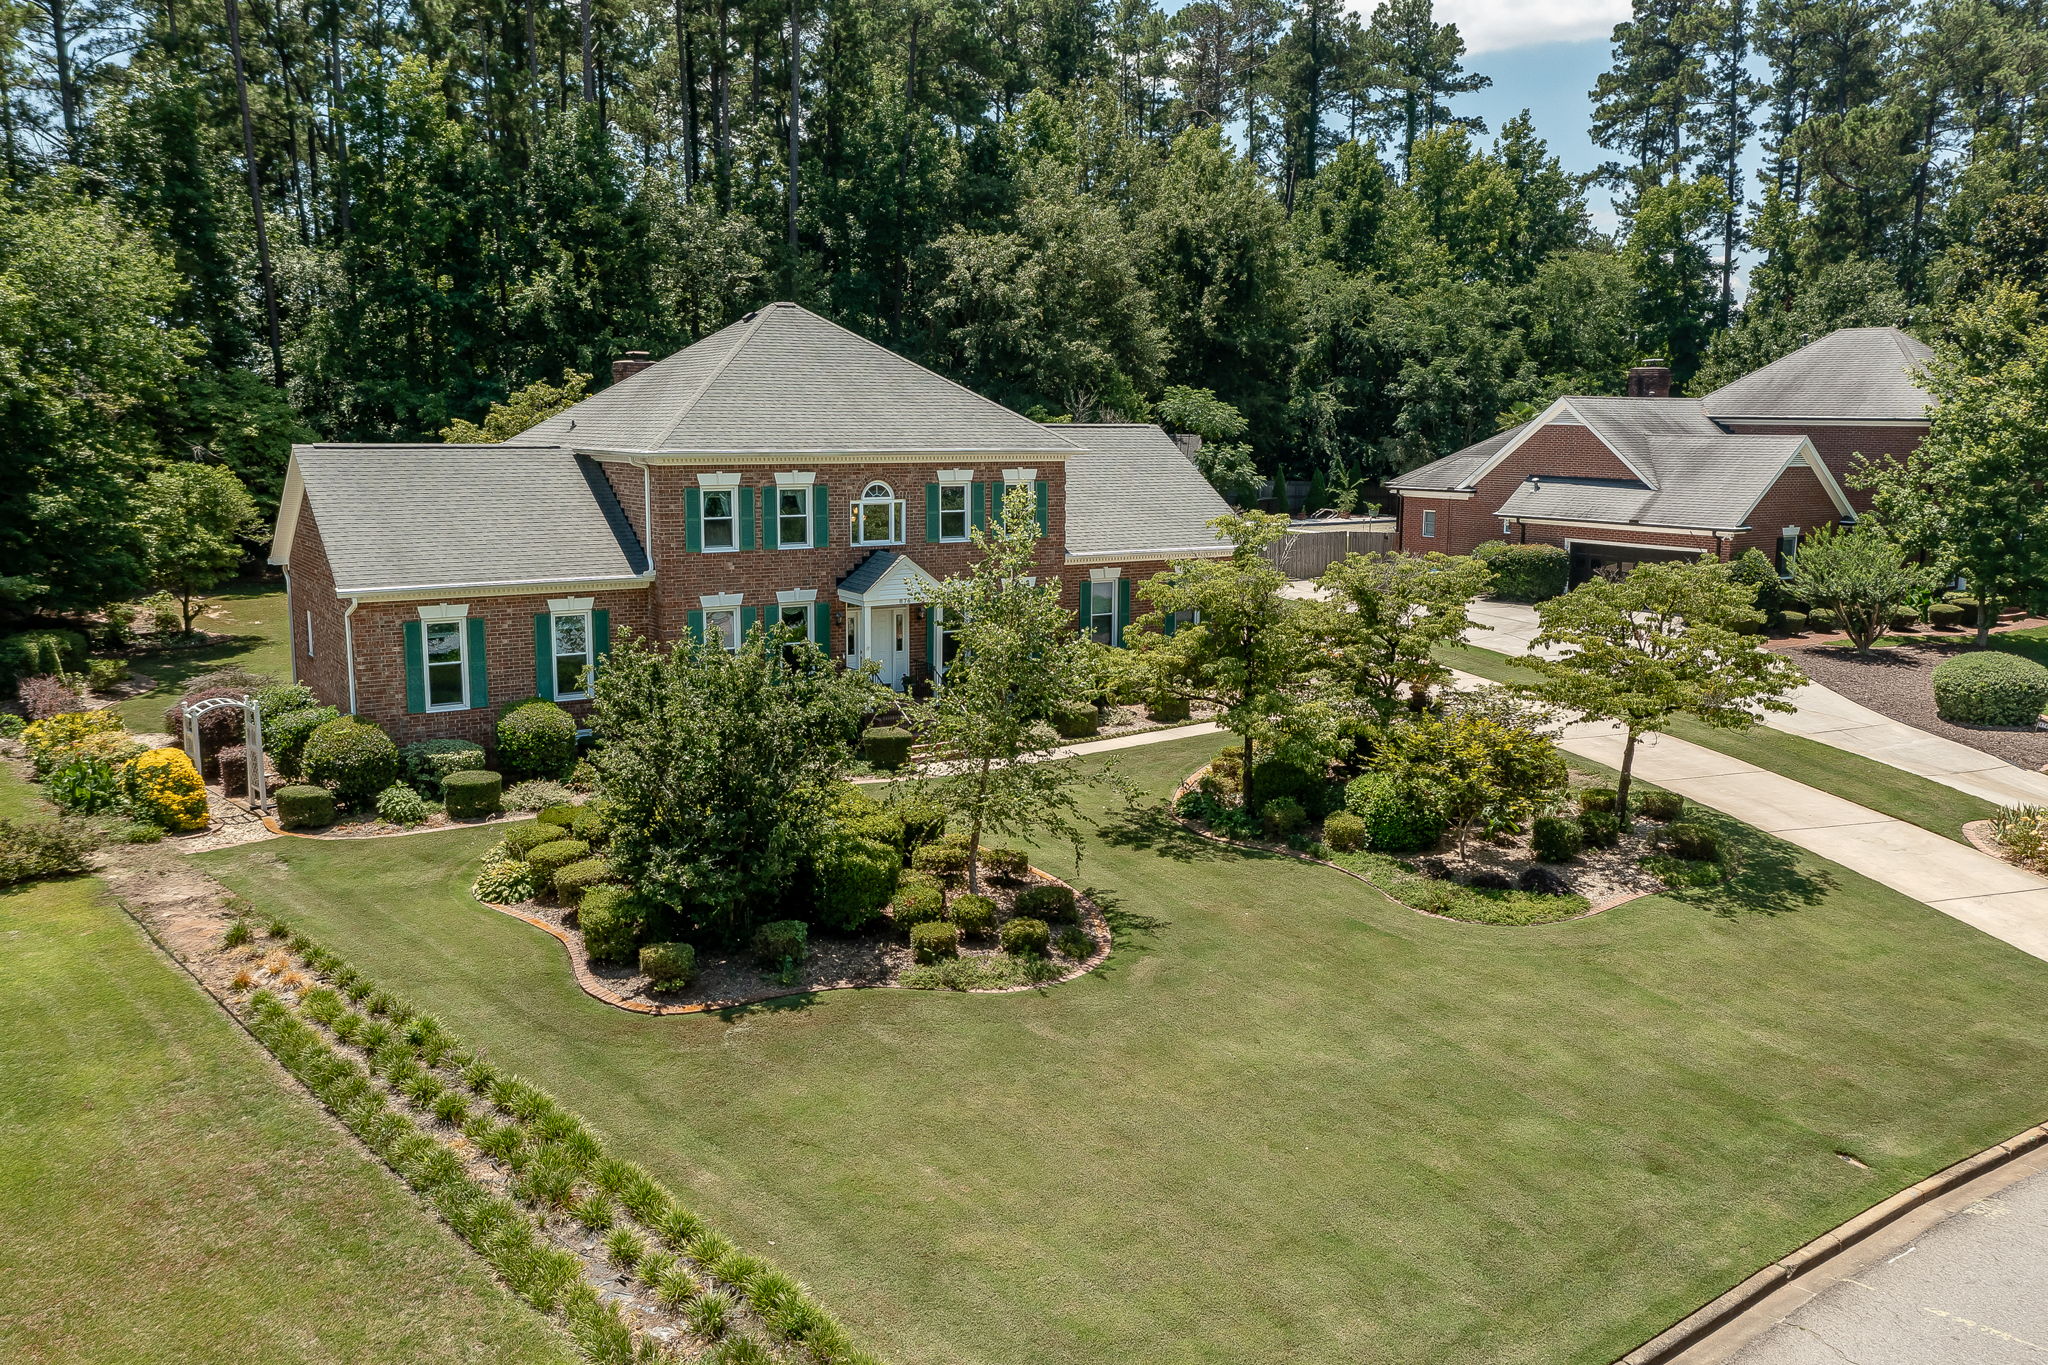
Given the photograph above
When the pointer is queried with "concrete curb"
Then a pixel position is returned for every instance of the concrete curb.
(1696, 1326)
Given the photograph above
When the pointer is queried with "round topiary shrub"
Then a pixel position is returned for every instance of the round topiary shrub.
(1693, 841)
(1990, 688)
(887, 747)
(429, 762)
(1005, 864)
(611, 921)
(1025, 936)
(947, 862)
(1344, 832)
(1167, 710)
(1597, 798)
(536, 738)
(305, 807)
(1076, 721)
(1400, 817)
(473, 794)
(1556, 841)
(284, 738)
(521, 840)
(1600, 828)
(1282, 817)
(1823, 620)
(548, 857)
(574, 880)
(1049, 902)
(933, 940)
(399, 804)
(1905, 618)
(923, 821)
(1945, 616)
(668, 966)
(1664, 806)
(919, 900)
(353, 759)
(1793, 622)
(974, 915)
(560, 814)
(853, 879)
(781, 941)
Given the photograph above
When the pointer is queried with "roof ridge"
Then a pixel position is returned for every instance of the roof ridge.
(752, 322)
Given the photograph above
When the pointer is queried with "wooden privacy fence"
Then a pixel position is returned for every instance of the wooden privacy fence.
(1311, 547)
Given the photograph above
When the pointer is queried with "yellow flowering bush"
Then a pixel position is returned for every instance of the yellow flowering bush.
(51, 742)
(165, 788)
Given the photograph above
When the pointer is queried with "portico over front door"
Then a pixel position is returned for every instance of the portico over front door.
(879, 597)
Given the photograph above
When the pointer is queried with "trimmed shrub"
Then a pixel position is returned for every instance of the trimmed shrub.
(523, 839)
(1399, 817)
(1074, 942)
(853, 879)
(1600, 828)
(304, 807)
(283, 699)
(947, 862)
(1598, 798)
(1310, 788)
(30, 849)
(472, 794)
(779, 941)
(1542, 881)
(32, 652)
(1006, 864)
(1025, 936)
(164, 789)
(1905, 618)
(919, 899)
(101, 675)
(1555, 840)
(536, 738)
(352, 758)
(1282, 817)
(923, 821)
(668, 965)
(48, 695)
(1989, 688)
(1168, 710)
(879, 826)
(1076, 720)
(560, 814)
(1945, 616)
(547, 858)
(1823, 621)
(284, 738)
(1050, 902)
(231, 765)
(1793, 622)
(1663, 806)
(428, 763)
(572, 881)
(1344, 832)
(1525, 573)
(610, 920)
(592, 824)
(887, 747)
(1967, 604)
(933, 940)
(1693, 841)
(546, 798)
(399, 804)
(974, 915)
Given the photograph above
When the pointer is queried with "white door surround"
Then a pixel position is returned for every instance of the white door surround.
(879, 596)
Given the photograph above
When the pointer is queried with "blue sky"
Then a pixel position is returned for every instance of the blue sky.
(1551, 81)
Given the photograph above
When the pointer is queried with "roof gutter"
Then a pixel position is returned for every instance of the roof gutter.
(403, 592)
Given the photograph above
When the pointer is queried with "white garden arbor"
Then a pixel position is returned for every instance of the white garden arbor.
(252, 740)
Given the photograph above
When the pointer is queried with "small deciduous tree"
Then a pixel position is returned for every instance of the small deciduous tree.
(1657, 644)
(1383, 617)
(194, 517)
(719, 768)
(528, 407)
(1017, 660)
(1484, 763)
(1862, 574)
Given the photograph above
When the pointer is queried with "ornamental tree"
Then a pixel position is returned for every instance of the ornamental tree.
(1484, 763)
(1862, 574)
(720, 767)
(193, 519)
(1660, 643)
(1018, 660)
(1383, 617)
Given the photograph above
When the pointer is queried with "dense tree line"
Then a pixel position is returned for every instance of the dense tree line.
(369, 219)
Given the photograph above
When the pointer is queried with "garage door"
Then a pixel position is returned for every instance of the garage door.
(1614, 561)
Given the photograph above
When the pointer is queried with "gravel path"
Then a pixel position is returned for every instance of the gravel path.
(1896, 682)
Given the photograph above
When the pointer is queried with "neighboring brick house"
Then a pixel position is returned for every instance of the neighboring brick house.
(781, 470)
(1617, 481)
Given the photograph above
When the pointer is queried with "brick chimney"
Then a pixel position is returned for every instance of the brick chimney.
(1651, 379)
(632, 362)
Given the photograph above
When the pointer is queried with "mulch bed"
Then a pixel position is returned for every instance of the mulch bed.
(1896, 682)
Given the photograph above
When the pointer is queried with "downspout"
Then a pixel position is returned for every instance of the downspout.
(348, 637)
(291, 621)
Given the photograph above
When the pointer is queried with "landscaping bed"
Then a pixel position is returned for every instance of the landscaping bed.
(1896, 682)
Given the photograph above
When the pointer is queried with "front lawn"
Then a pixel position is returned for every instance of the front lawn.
(1288, 1120)
(257, 636)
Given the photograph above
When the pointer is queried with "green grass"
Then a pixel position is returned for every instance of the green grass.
(1288, 1120)
(169, 1200)
(251, 615)
(1888, 790)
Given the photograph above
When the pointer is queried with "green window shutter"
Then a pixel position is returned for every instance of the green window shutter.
(771, 518)
(693, 520)
(600, 637)
(1123, 607)
(977, 502)
(697, 626)
(1087, 602)
(746, 511)
(1167, 624)
(821, 512)
(543, 657)
(931, 513)
(415, 668)
(748, 615)
(479, 666)
(821, 616)
(1044, 509)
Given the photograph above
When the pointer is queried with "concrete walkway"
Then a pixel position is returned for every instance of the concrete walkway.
(1830, 718)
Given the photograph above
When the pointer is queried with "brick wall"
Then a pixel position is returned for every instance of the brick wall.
(1797, 499)
(1463, 524)
(1618, 535)
(1839, 447)
(325, 667)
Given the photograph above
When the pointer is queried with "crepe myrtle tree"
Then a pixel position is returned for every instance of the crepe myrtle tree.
(1660, 643)
(1017, 660)
(1489, 760)
(719, 768)
(1239, 644)
(1862, 574)
(1379, 624)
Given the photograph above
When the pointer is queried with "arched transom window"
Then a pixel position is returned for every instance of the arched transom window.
(878, 516)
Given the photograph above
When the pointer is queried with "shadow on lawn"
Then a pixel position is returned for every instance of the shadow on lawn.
(1768, 878)
(781, 1004)
(1151, 828)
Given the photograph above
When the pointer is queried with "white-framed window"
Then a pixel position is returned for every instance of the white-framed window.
(722, 628)
(721, 518)
(793, 518)
(570, 638)
(1181, 620)
(878, 516)
(1507, 528)
(1429, 524)
(446, 646)
(1102, 614)
(953, 511)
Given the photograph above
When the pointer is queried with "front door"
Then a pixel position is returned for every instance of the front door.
(891, 646)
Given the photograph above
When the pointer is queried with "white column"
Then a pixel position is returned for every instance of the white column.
(867, 632)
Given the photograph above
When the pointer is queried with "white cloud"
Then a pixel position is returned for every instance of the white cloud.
(1497, 25)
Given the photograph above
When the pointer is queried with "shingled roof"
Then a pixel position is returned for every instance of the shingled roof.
(1701, 483)
(783, 380)
(1132, 492)
(427, 516)
(1856, 372)
(1456, 470)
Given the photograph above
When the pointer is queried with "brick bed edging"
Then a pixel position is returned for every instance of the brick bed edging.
(1189, 785)
(597, 989)
(1702, 1322)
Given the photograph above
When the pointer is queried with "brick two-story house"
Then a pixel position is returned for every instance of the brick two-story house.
(781, 470)
(1617, 481)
